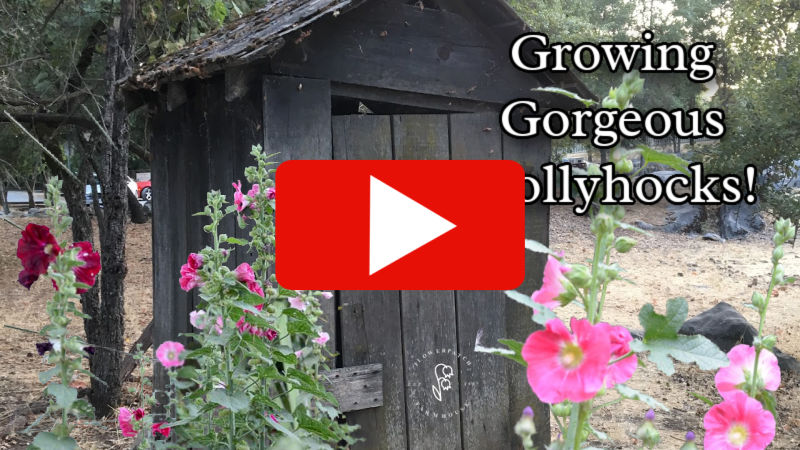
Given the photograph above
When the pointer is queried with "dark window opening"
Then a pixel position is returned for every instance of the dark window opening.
(343, 106)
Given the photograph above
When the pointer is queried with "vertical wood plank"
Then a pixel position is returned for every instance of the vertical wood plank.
(531, 153)
(297, 123)
(370, 325)
(430, 344)
(484, 387)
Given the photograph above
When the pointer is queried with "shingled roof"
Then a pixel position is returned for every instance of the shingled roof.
(260, 35)
(255, 36)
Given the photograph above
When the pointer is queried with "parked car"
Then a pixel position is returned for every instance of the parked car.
(144, 191)
(141, 189)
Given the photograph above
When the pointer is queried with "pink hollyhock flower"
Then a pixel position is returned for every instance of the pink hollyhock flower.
(270, 334)
(125, 419)
(253, 192)
(551, 288)
(169, 354)
(189, 276)
(326, 295)
(298, 354)
(255, 288)
(564, 366)
(198, 319)
(297, 303)
(621, 371)
(322, 338)
(240, 200)
(138, 414)
(270, 193)
(742, 358)
(244, 273)
(219, 325)
(738, 423)
(87, 273)
(159, 428)
(36, 249)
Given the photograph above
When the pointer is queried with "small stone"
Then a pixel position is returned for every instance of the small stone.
(713, 237)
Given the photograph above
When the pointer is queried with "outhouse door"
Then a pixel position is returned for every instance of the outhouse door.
(437, 392)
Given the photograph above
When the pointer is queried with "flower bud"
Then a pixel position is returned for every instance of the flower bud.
(624, 165)
(568, 294)
(768, 341)
(617, 211)
(624, 244)
(779, 274)
(689, 444)
(579, 276)
(563, 409)
(647, 432)
(525, 428)
(757, 300)
(610, 103)
(602, 224)
(777, 254)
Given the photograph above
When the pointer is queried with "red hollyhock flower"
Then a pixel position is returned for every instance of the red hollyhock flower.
(87, 273)
(36, 249)
(160, 428)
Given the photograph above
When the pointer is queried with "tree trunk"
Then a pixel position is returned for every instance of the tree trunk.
(4, 197)
(137, 212)
(115, 201)
(31, 201)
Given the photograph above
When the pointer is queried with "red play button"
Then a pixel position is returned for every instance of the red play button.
(400, 225)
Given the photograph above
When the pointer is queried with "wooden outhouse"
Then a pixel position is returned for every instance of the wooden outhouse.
(348, 79)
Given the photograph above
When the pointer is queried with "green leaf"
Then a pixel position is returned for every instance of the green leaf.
(600, 435)
(49, 441)
(541, 313)
(236, 402)
(688, 349)
(316, 427)
(45, 376)
(283, 292)
(64, 395)
(768, 401)
(513, 352)
(633, 394)
(654, 156)
(236, 241)
(519, 297)
(554, 90)
(702, 398)
(657, 326)
(538, 247)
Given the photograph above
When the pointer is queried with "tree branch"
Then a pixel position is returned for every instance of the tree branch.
(51, 118)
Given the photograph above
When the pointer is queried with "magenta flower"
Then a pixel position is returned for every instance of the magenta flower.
(322, 338)
(239, 199)
(297, 303)
(138, 414)
(159, 428)
(564, 366)
(270, 334)
(36, 249)
(125, 419)
(327, 295)
(742, 358)
(87, 273)
(169, 354)
(270, 193)
(190, 278)
(551, 288)
(738, 423)
(245, 274)
(253, 192)
(621, 371)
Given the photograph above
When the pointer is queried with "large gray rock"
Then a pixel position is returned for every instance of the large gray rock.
(685, 218)
(725, 327)
(739, 220)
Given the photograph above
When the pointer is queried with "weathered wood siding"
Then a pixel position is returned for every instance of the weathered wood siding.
(424, 340)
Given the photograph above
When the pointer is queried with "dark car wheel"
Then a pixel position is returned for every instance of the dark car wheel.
(147, 194)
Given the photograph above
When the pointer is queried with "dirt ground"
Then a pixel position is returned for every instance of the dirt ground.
(663, 266)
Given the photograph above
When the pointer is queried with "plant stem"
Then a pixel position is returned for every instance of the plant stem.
(229, 370)
(762, 312)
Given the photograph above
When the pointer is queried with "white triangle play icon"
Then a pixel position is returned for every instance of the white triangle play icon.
(398, 225)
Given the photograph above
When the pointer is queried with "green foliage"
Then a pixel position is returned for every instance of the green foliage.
(244, 388)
